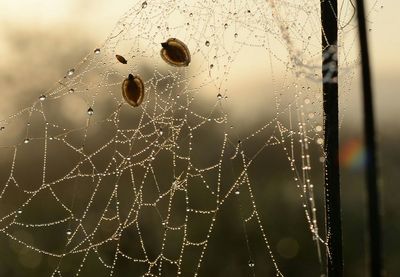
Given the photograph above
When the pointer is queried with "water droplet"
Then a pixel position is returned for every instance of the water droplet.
(42, 97)
(175, 52)
(235, 35)
(2, 128)
(226, 25)
(318, 128)
(19, 212)
(237, 191)
(311, 115)
(219, 96)
(320, 140)
(307, 101)
(71, 72)
(26, 140)
(144, 5)
(160, 131)
(207, 43)
(251, 263)
(71, 90)
(97, 51)
(190, 14)
(211, 66)
(69, 232)
(133, 90)
(90, 111)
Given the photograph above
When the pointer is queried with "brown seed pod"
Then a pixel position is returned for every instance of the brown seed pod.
(133, 90)
(121, 59)
(175, 52)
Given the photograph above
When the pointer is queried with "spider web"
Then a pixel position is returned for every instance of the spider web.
(106, 189)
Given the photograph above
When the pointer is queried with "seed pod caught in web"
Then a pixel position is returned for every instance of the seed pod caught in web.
(133, 90)
(121, 59)
(175, 52)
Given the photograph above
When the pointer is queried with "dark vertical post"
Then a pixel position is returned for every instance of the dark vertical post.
(374, 220)
(331, 141)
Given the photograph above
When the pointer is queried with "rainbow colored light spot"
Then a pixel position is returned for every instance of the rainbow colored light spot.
(352, 154)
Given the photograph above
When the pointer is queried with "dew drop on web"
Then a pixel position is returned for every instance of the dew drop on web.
(71, 72)
(90, 111)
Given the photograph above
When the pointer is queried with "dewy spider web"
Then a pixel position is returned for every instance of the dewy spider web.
(116, 190)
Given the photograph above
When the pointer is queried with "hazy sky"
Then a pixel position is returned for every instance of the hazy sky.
(27, 22)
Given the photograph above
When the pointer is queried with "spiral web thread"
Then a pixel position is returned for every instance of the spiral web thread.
(118, 185)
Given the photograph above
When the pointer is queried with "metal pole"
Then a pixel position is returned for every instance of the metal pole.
(374, 220)
(331, 140)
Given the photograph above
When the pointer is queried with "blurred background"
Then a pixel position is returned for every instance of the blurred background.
(41, 39)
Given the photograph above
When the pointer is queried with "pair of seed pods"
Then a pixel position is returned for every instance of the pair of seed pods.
(174, 52)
